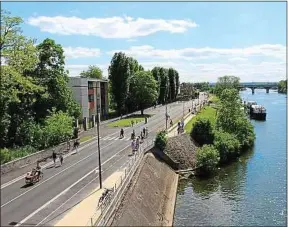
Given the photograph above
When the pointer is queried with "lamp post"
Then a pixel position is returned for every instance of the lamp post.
(98, 136)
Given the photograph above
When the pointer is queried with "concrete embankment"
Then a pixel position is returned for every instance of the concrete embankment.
(150, 198)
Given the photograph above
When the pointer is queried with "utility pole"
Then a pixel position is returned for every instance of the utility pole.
(98, 132)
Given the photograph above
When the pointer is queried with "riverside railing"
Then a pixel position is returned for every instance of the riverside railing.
(102, 214)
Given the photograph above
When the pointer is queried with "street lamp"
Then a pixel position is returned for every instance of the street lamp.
(98, 135)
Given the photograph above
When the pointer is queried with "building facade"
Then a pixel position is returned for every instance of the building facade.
(91, 94)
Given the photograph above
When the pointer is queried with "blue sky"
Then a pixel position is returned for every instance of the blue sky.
(202, 40)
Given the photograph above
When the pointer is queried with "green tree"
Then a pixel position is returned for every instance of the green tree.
(164, 85)
(93, 72)
(119, 74)
(227, 145)
(58, 128)
(172, 83)
(204, 86)
(161, 140)
(144, 89)
(282, 86)
(229, 110)
(51, 74)
(207, 158)
(202, 131)
(156, 74)
(226, 82)
(177, 83)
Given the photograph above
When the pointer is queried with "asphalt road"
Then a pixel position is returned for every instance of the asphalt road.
(45, 202)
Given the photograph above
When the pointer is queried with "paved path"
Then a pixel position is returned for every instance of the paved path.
(32, 205)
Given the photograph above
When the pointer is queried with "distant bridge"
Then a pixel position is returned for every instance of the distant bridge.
(254, 85)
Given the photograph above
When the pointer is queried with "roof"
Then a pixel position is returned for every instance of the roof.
(89, 79)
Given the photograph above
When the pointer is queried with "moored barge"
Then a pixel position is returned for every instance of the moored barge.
(258, 112)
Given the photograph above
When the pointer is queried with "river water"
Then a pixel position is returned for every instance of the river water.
(251, 191)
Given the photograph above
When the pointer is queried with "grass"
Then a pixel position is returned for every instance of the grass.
(207, 112)
(126, 122)
(214, 99)
(85, 138)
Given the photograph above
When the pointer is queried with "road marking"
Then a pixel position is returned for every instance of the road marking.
(37, 185)
(44, 166)
(63, 192)
(21, 177)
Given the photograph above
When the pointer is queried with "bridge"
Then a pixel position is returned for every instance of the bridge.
(254, 85)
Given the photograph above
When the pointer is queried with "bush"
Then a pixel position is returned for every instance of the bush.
(5, 155)
(58, 128)
(161, 140)
(202, 131)
(207, 158)
(245, 133)
(227, 145)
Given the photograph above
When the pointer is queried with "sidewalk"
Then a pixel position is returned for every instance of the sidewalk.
(85, 213)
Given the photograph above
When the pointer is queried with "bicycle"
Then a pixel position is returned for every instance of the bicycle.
(106, 197)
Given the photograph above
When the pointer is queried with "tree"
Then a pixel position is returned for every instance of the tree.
(144, 89)
(282, 86)
(164, 85)
(177, 83)
(172, 83)
(207, 158)
(50, 73)
(229, 111)
(187, 90)
(119, 74)
(226, 82)
(227, 145)
(202, 131)
(93, 72)
(161, 140)
(156, 74)
(204, 86)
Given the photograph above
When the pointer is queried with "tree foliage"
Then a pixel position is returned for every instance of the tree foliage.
(35, 82)
(161, 140)
(226, 82)
(119, 74)
(202, 131)
(282, 86)
(207, 158)
(93, 72)
(227, 145)
(144, 89)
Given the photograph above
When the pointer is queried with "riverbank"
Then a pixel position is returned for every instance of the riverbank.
(250, 191)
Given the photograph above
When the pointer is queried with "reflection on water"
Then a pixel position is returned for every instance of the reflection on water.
(251, 191)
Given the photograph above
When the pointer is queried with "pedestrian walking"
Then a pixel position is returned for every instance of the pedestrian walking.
(137, 143)
(144, 132)
(133, 145)
(54, 156)
(61, 158)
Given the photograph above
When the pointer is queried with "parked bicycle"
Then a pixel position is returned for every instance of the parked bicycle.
(106, 197)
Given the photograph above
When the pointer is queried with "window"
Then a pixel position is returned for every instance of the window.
(91, 98)
(90, 85)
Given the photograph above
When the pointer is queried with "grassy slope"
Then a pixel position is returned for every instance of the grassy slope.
(207, 112)
(126, 122)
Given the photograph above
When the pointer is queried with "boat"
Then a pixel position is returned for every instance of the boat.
(258, 112)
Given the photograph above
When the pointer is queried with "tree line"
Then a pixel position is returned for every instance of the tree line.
(36, 104)
(133, 88)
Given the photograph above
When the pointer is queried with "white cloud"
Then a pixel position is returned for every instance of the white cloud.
(81, 52)
(109, 27)
(131, 40)
(146, 51)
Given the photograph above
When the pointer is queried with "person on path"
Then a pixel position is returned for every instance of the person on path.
(144, 132)
(76, 145)
(137, 143)
(61, 158)
(133, 145)
(54, 156)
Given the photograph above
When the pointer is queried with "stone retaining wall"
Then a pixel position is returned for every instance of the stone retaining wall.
(150, 199)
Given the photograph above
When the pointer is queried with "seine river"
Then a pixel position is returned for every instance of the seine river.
(251, 191)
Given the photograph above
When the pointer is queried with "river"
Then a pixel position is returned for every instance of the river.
(251, 191)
